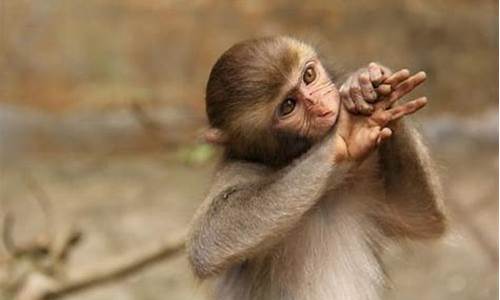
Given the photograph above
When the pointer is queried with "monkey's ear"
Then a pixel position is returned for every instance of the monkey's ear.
(214, 136)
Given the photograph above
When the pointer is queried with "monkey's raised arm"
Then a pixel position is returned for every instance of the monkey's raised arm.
(414, 199)
(249, 207)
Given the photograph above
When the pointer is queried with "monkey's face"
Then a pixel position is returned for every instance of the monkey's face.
(269, 100)
(309, 108)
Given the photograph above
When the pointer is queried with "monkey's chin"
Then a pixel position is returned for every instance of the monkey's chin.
(327, 121)
(324, 126)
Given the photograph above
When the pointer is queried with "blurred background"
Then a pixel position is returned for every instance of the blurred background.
(101, 103)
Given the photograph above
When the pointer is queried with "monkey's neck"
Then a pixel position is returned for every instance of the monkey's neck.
(274, 150)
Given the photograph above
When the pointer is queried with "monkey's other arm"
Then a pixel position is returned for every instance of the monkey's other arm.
(250, 207)
(413, 204)
(413, 190)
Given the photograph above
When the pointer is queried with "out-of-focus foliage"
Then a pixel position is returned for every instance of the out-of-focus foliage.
(197, 154)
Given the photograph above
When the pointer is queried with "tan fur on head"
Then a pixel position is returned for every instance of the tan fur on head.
(245, 85)
(252, 74)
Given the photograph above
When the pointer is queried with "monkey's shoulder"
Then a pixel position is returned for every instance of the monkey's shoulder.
(232, 175)
(239, 171)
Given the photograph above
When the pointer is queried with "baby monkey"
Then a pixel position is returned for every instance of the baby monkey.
(315, 180)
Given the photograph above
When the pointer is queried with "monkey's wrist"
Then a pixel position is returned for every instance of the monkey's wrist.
(343, 157)
(339, 157)
(347, 162)
(339, 147)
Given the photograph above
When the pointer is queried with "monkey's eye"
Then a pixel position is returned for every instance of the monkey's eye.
(309, 75)
(286, 107)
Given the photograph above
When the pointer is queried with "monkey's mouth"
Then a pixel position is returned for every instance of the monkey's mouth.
(327, 119)
(326, 114)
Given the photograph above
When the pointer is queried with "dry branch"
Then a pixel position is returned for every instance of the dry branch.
(7, 239)
(43, 200)
(116, 269)
(47, 279)
(36, 247)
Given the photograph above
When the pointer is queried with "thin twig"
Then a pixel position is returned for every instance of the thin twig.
(43, 200)
(31, 249)
(116, 270)
(7, 238)
(65, 243)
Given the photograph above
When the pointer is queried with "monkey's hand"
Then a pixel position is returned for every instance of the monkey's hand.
(364, 87)
(358, 135)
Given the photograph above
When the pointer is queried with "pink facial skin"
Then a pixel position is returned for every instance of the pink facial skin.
(317, 105)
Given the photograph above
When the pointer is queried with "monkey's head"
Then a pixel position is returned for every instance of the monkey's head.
(269, 100)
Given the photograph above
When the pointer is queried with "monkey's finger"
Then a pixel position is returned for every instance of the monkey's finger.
(384, 135)
(407, 108)
(381, 117)
(367, 89)
(375, 72)
(384, 89)
(397, 78)
(357, 96)
(386, 72)
(407, 86)
(345, 96)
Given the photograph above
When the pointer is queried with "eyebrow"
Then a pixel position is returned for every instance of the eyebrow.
(294, 86)
(304, 68)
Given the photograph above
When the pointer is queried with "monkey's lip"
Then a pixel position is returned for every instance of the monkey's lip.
(326, 114)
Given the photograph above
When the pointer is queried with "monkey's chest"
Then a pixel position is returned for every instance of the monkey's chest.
(329, 255)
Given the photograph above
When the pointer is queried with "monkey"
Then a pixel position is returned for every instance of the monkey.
(315, 180)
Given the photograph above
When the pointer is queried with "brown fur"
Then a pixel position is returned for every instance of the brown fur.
(306, 229)
(241, 93)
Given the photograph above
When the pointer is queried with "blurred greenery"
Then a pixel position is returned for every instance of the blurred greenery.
(197, 154)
